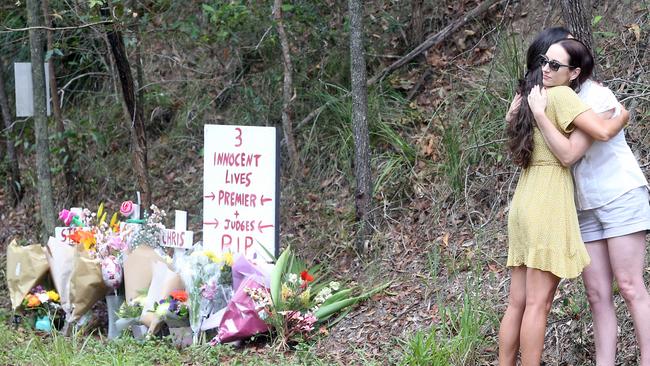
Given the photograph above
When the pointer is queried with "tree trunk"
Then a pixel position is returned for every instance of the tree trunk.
(66, 154)
(14, 185)
(287, 97)
(135, 115)
(363, 191)
(44, 180)
(416, 24)
(577, 16)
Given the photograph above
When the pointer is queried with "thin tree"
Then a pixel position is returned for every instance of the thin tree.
(14, 185)
(363, 190)
(577, 16)
(133, 110)
(66, 154)
(416, 23)
(287, 86)
(44, 179)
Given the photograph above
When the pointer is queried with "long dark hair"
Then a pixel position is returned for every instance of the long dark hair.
(520, 128)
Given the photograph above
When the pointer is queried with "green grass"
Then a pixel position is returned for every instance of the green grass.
(455, 340)
(21, 346)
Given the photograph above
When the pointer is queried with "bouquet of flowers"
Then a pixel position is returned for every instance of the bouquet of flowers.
(173, 309)
(201, 272)
(129, 313)
(298, 301)
(43, 302)
(102, 240)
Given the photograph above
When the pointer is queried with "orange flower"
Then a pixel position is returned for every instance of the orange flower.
(306, 276)
(75, 236)
(33, 301)
(179, 295)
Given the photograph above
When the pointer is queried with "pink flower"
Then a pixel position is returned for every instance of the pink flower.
(66, 216)
(111, 272)
(126, 209)
(209, 291)
(116, 243)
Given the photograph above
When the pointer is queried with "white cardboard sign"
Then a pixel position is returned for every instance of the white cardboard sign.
(240, 190)
(178, 237)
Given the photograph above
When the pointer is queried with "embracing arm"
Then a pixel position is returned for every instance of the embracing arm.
(514, 108)
(601, 129)
(566, 150)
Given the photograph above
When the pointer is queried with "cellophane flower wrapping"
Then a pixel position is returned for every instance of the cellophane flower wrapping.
(200, 271)
(242, 269)
(129, 313)
(245, 313)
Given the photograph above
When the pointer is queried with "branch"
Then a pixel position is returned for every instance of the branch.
(428, 43)
(434, 40)
(10, 30)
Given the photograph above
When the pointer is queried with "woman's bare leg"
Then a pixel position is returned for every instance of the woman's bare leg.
(540, 289)
(597, 278)
(511, 322)
(627, 257)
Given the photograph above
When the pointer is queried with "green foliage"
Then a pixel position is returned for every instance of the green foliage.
(453, 165)
(474, 133)
(329, 145)
(454, 340)
(596, 20)
(227, 17)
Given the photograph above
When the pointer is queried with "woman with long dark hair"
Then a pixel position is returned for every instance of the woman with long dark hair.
(613, 212)
(544, 238)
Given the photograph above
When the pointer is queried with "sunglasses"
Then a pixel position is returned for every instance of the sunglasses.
(552, 64)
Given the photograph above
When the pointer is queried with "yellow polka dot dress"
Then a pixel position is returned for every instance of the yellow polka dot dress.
(543, 229)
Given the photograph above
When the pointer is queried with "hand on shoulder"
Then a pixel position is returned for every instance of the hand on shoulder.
(537, 99)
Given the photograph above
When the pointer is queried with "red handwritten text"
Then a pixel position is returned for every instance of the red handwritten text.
(236, 159)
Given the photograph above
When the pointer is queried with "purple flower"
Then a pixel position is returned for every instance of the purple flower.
(173, 305)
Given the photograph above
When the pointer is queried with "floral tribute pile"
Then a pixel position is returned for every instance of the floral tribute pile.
(194, 295)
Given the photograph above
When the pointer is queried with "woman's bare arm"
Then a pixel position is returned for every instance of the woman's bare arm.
(602, 129)
(567, 150)
(514, 108)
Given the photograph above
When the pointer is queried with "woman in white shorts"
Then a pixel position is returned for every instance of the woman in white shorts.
(614, 216)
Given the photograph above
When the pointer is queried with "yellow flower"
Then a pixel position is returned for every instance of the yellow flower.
(211, 255)
(87, 238)
(286, 292)
(304, 297)
(228, 259)
(53, 296)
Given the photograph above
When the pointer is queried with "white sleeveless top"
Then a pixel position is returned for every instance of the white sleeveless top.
(609, 169)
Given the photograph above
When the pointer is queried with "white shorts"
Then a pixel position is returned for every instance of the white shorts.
(630, 213)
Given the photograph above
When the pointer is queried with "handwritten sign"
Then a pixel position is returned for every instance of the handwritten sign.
(62, 234)
(178, 238)
(240, 190)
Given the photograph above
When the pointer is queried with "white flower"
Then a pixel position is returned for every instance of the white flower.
(162, 309)
(43, 297)
(323, 295)
(335, 286)
(292, 278)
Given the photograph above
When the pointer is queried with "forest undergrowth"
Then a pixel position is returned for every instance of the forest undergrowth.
(442, 176)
